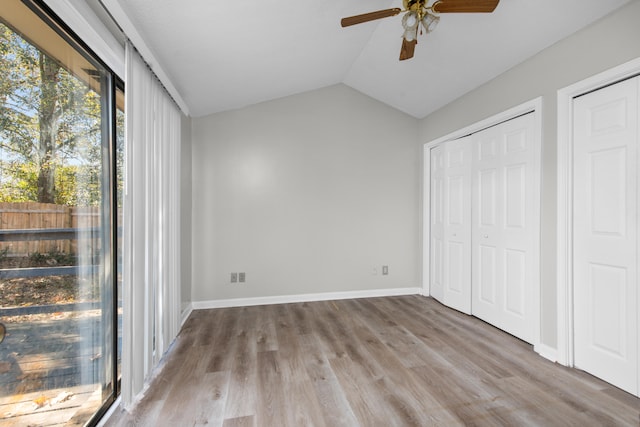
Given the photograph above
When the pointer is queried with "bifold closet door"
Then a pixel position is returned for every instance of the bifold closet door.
(451, 224)
(436, 248)
(504, 229)
(605, 230)
(484, 225)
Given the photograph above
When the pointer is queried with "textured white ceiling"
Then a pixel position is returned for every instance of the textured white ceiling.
(223, 55)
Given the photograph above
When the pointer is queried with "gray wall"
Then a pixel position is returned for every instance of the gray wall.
(185, 214)
(603, 45)
(305, 194)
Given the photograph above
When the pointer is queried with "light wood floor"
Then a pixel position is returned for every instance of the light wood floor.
(369, 362)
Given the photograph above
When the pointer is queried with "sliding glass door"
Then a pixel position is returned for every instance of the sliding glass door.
(61, 154)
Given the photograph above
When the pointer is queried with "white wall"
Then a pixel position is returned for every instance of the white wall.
(605, 44)
(305, 194)
(185, 213)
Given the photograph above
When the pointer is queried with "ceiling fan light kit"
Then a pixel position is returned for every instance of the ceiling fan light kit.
(410, 23)
(417, 13)
(430, 22)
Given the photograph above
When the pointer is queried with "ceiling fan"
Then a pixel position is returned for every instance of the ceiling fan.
(417, 14)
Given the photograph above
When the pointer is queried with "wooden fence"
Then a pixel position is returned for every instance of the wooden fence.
(30, 215)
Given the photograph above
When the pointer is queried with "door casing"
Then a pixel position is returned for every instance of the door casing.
(564, 276)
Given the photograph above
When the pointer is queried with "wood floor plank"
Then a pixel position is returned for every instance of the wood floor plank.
(271, 409)
(203, 326)
(305, 409)
(265, 329)
(242, 362)
(146, 413)
(207, 406)
(221, 357)
(286, 332)
(240, 422)
(468, 403)
(333, 402)
(325, 331)
(302, 317)
(410, 401)
(183, 390)
(527, 400)
(360, 390)
(393, 361)
(410, 404)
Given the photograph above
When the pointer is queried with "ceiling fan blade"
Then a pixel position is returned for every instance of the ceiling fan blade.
(407, 49)
(464, 6)
(371, 16)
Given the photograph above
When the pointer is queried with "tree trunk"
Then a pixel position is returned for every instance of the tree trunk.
(49, 115)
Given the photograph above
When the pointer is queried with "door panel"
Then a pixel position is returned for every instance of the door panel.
(605, 234)
(456, 200)
(608, 181)
(515, 265)
(450, 224)
(504, 234)
(515, 201)
(487, 197)
(487, 277)
(608, 287)
(457, 225)
(437, 224)
(455, 275)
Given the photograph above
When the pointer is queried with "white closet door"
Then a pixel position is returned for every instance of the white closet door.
(605, 233)
(436, 260)
(451, 224)
(504, 228)
(457, 225)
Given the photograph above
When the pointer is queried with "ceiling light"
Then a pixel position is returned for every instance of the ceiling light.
(430, 22)
(410, 34)
(410, 23)
(410, 20)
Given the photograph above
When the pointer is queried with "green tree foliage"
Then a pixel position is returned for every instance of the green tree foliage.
(49, 128)
(75, 185)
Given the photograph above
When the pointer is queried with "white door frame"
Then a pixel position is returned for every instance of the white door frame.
(533, 106)
(564, 278)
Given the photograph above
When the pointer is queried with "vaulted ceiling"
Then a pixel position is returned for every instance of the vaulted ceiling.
(223, 55)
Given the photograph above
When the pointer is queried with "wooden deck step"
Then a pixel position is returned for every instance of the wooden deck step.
(46, 408)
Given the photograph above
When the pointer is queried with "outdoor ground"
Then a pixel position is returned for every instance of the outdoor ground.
(30, 291)
(50, 358)
(25, 292)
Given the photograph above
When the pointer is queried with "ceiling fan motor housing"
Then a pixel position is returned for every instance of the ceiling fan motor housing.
(414, 5)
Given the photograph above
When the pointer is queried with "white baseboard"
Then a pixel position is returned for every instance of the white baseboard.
(285, 299)
(185, 314)
(547, 352)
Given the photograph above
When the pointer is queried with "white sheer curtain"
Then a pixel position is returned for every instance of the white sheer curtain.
(151, 294)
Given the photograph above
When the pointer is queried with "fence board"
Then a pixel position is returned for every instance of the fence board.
(72, 270)
(30, 215)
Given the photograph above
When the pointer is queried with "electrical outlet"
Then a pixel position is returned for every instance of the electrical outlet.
(241, 277)
(385, 270)
(234, 277)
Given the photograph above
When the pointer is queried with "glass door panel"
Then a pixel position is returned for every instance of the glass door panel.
(59, 359)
